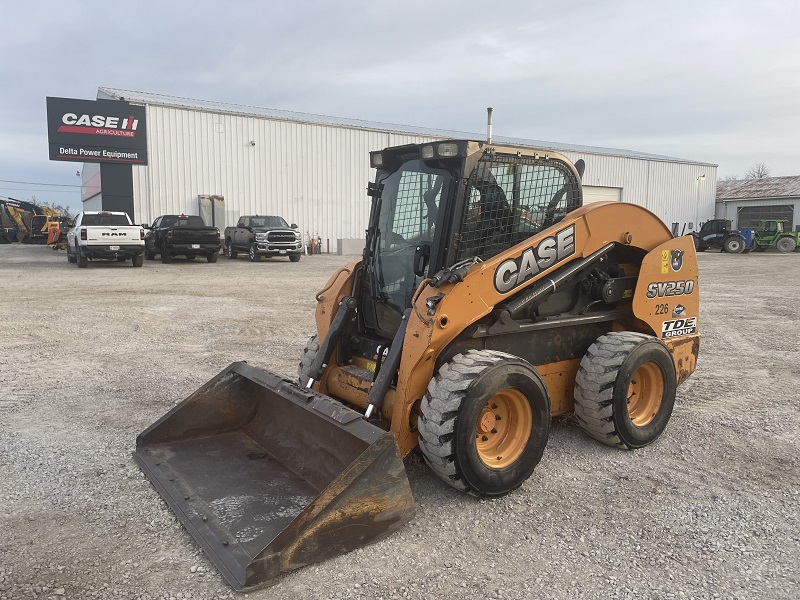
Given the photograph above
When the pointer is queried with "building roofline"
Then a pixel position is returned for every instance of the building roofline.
(109, 93)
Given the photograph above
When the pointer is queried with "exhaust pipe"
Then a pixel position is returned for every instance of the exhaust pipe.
(489, 124)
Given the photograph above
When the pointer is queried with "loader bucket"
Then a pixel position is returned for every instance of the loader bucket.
(268, 477)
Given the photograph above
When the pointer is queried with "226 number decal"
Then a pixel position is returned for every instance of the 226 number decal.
(670, 288)
(662, 309)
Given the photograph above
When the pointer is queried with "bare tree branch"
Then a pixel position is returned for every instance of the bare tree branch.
(757, 171)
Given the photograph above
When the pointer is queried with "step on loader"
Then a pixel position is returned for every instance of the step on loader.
(487, 300)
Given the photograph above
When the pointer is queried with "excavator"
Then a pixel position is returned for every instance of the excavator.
(26, 222)
(487, 300)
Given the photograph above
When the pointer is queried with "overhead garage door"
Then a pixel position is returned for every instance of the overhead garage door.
(596, 193)
(749, 216)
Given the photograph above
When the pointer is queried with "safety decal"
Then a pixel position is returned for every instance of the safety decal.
(679, 327)
(664, 262)
(676, 259)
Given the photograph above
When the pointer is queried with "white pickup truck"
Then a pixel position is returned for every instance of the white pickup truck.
(103, 234)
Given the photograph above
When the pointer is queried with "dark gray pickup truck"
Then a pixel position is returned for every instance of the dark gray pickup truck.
(173, 235)
(263, 236)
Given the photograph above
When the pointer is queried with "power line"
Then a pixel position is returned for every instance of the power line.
(35, 190)
(39, 183)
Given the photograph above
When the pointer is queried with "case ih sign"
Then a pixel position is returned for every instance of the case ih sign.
(102, 131)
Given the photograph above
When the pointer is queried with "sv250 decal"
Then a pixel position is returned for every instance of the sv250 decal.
(670, 288)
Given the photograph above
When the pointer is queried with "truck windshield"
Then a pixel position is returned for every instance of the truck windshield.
(406, 219)
(267, 222)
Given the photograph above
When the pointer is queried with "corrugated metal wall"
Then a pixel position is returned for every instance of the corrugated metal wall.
(676, 192)
(316, 175)
(312, 175)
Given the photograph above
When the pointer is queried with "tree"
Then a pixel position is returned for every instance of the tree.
(730, 178)
(757, 171)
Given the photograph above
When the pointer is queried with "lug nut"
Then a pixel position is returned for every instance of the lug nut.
(484, 438)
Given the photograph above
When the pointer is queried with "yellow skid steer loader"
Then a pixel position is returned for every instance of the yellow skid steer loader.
(487, 300)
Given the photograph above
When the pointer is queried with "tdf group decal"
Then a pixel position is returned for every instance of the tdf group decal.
(678, 327)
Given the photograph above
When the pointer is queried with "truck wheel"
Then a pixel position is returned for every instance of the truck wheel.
(82, 261)
(734, 244)
(484, 422)
(310, 351)
(71, 258)
(149, 255)
(294, 257)
(625, 389)
(229, 251)
(212, 258)
(166, 257)
(786, 244)
(254, 255)
(137, 260)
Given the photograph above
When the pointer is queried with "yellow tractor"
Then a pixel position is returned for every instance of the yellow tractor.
(487, 300)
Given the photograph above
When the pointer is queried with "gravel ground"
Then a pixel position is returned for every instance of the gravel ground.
(91, 357)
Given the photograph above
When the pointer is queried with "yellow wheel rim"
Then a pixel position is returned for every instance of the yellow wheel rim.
(645, 393)
(504, 428)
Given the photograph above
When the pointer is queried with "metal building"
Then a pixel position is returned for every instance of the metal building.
(746, 202)
(227, 160)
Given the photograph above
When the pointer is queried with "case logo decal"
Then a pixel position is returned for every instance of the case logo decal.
(676, 259)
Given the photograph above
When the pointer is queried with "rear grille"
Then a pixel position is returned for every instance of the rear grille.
(280, 236)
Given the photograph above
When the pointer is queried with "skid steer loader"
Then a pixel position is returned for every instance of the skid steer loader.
(487, 300)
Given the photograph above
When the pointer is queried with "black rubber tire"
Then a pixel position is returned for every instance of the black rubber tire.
(71, 258)
(253, 253)
(602, 384)
(149, 255)
(212, 258)
(309, 352)
(229, 251)
(449, 417)
(734, 245)
(166, 257)
(294, 257)
(82, 261)
(137, 260)
(786, 244)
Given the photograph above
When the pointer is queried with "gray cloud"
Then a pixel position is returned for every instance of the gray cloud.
(711, 81)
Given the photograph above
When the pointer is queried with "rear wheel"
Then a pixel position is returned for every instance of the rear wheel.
(149, 255)
(309, 352)
(71, 258)
(734, 244)
(625, 389)
(212, 258)
(254, 255)
(166, 257)
(229, 251)
(484, 422)
(294, 257)
(786, 244)
(82, 261)
(138, 260)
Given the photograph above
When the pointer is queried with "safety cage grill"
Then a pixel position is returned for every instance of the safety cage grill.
(510, 198)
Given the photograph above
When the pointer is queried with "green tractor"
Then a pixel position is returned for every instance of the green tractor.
(771, 233)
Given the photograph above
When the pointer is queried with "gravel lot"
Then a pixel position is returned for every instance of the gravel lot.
(91, 357)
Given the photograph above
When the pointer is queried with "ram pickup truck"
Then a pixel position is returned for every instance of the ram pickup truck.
(263, 236)
(104, 234)
(187, 235)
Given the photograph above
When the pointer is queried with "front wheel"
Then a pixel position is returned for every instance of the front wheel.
(254, 255)
(625, 389)
(309, 353)
(734, 244)
(484, 422)
(786, 244)
(294, 257)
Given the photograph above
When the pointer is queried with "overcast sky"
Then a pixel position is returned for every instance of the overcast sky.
(716, 82)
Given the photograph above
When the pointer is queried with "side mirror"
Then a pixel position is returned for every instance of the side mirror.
(293, 225)
(421, 256)
(144, 226)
